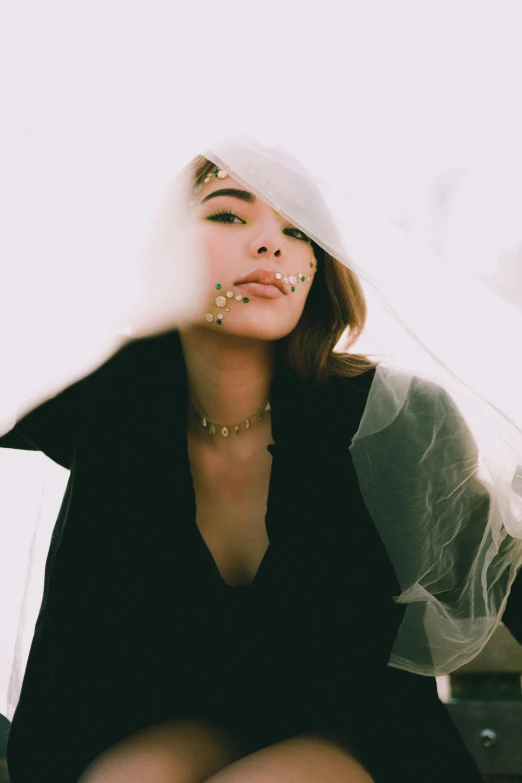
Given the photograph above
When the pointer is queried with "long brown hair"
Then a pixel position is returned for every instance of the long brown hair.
(335, 305)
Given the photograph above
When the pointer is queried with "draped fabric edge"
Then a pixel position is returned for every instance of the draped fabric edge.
(401, 443)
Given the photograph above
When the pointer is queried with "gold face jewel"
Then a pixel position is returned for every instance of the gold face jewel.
(221, 300)
(219, 173)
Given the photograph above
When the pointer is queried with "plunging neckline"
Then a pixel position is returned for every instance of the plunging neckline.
(215, 567)
(205, 547)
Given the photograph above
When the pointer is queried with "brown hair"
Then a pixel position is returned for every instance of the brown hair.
(336, 304)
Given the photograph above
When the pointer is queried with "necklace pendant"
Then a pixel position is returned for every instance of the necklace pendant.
(247, 424)
(204, 422)
(212, 430)
(224, 432)
(259, 415)
(267, 407)
(236, 430)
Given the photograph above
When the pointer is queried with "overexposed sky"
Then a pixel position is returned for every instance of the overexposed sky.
(414, 105)
(391, 97)
(418, 86)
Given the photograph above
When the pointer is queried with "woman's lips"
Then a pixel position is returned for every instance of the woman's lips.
(260, 289)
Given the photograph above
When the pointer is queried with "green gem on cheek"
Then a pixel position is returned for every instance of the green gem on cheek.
(293, 289)
(218, 286)
(246, 299)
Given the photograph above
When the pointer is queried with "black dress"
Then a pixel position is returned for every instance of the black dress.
(137, 626)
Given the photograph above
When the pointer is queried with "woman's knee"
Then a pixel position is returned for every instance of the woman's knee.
(183, 751)
(306, 757)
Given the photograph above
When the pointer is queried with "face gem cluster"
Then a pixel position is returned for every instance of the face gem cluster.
(221, 301)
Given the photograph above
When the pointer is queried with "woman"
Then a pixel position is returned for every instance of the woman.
(251, 645)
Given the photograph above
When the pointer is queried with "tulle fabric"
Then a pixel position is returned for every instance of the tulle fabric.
(444, 519)
(438, 453)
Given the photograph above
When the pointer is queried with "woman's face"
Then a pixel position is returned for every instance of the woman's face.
(242, 236)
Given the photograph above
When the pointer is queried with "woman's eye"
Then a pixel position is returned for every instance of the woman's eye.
(223, 214)
(302, 237)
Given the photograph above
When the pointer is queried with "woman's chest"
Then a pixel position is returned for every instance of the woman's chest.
(231, 504)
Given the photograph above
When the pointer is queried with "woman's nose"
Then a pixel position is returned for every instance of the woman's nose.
(265, 250)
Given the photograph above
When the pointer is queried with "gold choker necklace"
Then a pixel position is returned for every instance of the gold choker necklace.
(225, 429)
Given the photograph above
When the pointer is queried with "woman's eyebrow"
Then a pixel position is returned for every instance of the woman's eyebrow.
(244, 195)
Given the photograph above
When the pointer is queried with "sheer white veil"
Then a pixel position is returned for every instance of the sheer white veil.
(438, 453)
(103, 118)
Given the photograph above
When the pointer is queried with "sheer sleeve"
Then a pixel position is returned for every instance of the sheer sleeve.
(435, 503)
(479, 546)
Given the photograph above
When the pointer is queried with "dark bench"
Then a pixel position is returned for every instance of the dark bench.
(484, 699)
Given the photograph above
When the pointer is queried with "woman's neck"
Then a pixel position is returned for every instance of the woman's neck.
(228, 380)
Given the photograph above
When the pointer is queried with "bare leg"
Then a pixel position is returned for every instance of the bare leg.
(181, 751)
(303, 759)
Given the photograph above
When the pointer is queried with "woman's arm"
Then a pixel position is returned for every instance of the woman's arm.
(49, 428)
(461, 450)
(46, 420)
(512, 617)
(432, 501)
